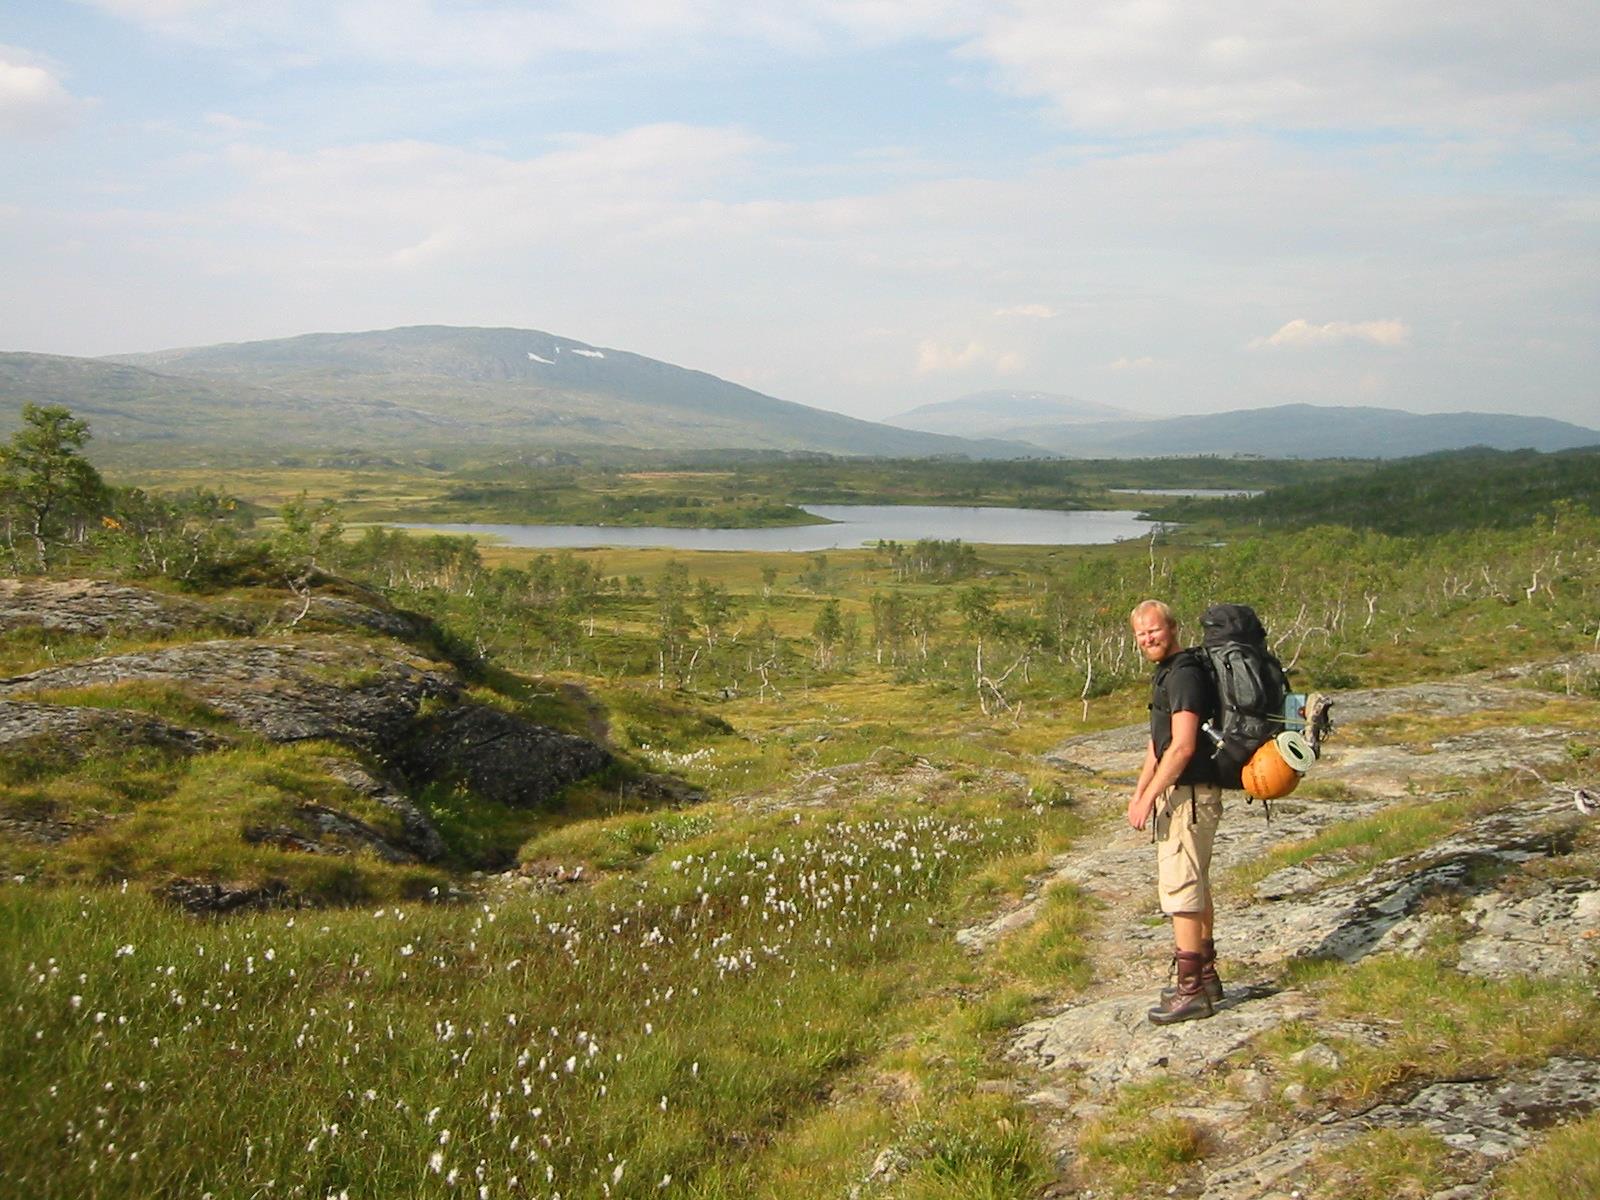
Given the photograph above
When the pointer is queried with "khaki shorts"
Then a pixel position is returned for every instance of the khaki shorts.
(1184, 833)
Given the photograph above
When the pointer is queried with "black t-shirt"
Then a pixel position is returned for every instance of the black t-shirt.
(1182, 685)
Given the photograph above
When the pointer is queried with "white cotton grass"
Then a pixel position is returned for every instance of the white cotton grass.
(451, 1051)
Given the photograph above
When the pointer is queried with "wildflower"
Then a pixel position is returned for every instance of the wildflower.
(436, 1161)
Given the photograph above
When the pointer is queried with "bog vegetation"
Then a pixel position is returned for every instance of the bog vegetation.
(710, 1001)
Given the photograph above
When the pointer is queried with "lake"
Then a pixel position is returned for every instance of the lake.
(1186, 492)
(856, 524)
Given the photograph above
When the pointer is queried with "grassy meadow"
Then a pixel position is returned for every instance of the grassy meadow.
(752, 994)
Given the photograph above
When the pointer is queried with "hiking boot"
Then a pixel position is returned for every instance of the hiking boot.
(1210, 981)
(1188, 1001)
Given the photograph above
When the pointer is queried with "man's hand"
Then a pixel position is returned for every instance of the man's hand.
(1139, 810)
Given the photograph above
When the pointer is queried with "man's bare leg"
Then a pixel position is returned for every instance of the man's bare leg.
(1191, 931)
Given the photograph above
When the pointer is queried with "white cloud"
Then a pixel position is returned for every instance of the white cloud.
(1038, 312)
(1143, 363)
(498, 34)
(1157, 65)
(1302, 333)
(230, 125)
(934, 357)
(408, 203)
(32, 100)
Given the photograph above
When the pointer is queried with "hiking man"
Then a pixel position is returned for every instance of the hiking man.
(1178, 791)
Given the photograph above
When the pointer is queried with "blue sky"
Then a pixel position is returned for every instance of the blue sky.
(1168, 206)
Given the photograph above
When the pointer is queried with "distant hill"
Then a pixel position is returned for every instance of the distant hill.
(986, 414)
(442, 386)
(1307, 431)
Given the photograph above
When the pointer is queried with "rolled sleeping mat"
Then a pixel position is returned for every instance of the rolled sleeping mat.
(1296, 750)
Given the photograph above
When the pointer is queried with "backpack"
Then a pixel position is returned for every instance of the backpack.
(1250, 685)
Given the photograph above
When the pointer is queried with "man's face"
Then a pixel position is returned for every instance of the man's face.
(1157, 640)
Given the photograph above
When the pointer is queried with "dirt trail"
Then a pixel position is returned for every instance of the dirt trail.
(1520, 924)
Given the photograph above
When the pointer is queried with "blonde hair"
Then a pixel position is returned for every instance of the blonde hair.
(1156, 606)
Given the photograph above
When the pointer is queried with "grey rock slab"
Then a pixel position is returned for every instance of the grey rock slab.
(422, 837)
(1439, 697)
(284, 690)
(499, 756)
(352, 614)
(1553, 932)
(74, 730)
(1117, 750)
(1491, 1120)
(1110, 1041)
(1352, 919)
(321, 823)
(97, 607)
(1397, 769)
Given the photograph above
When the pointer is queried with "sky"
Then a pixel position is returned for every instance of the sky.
(1172, 206)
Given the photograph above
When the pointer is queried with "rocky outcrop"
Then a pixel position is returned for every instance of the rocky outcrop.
(421, 836)
(202, 898)
(499, 756)
(284, 690)
(338, 670)
(98, 607)
(339, 612)
(1489, 1119)
(72, 731)
(1501, 883)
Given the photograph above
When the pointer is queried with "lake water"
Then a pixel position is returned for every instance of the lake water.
(1186, 492)
(857, 524)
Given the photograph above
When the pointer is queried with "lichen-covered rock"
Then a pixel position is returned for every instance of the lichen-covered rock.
(325, 611)
(284, 690)
(357, 693)
(73, 730)
(1490, 1120)
(1307, 916)
(1106, 1042)
(200, 897)
(97, 607)
(499, 756)
(421, 835)
(1555, 931)
(327, 831)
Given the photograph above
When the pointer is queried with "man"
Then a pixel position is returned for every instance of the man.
(1178, 790)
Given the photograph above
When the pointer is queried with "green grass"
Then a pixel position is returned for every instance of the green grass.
(730, 980)
(1387, 1164)
(1563, 1166)
(1401, 828)
(1437, 1021)
(1130, 1151)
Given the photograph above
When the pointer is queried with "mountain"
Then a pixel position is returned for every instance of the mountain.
(440, 386)
(984, 414)
(130, 404)
(1306, 431)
